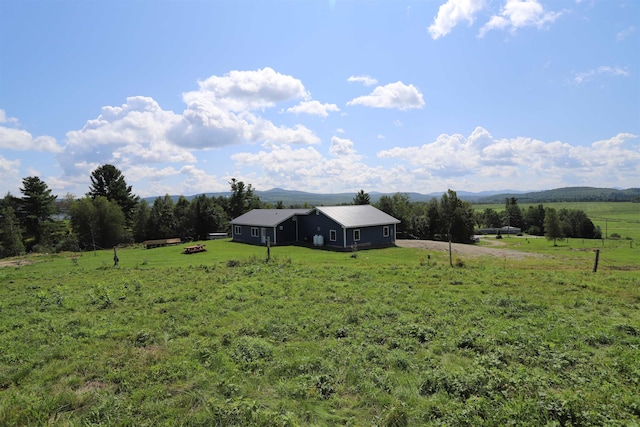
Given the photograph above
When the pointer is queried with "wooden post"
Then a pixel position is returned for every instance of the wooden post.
(595, 264)
(115, 257)
(268, 248)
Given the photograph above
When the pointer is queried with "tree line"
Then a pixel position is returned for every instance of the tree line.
(110, 214)
(437, 219)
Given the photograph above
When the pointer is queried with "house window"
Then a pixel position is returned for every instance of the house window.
(356, 235)
(237, 229)
(385, 231)
(332, 235)
(254, 231)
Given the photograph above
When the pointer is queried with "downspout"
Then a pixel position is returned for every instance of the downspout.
(344, 237)
(275, 235)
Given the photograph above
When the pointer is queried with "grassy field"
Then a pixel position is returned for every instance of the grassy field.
(621, 218)
(391, 337)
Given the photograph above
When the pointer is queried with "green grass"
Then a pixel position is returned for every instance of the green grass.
(622, 218)
(390, 337)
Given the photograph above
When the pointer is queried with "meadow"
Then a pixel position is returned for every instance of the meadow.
(392, 337)
(622, 218)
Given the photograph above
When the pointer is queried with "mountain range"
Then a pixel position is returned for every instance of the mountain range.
(565, 194)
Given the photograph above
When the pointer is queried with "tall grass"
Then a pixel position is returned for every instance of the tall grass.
(318, 338)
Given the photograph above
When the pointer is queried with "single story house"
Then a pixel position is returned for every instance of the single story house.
(337, 227)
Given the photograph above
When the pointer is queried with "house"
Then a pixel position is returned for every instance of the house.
(336, 227)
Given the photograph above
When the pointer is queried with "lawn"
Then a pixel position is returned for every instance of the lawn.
(388, 337)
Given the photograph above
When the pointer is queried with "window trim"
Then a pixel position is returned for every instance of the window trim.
(237, 230)
(356, 232)
(255, 232)
(385, 231)
(333, 235)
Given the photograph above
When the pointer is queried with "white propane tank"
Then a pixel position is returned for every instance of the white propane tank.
(315, 240)
(320, 240)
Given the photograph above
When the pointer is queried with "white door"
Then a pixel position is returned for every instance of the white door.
(263, 235)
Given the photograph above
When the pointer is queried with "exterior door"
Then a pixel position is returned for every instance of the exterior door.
(263, 235)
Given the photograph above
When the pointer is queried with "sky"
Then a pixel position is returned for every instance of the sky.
(323, 96)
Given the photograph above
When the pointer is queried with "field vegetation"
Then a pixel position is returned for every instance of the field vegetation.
(391, 337)
(618, 219)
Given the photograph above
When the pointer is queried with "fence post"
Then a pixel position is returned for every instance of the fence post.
(595, 264)
(268, 248)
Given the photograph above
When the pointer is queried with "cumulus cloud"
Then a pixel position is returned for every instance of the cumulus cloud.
(393, 95)
(21, 140)
(516, 14)
(224, 110)
(307, 169)
(452, 13)
(249, 90)
(341, 147)
(482, 156)
(606, 70)
(134, 133)
(365, 80)
(9, 172)
(314, 108)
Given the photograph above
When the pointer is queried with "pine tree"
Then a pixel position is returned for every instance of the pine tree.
(36, 206)
(11, 241)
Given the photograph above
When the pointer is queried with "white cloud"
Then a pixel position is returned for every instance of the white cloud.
(9, 173)
(225, 110)
(393, 95)
(249, 90)
(307, 169)
(516, 14)
(587, 76)
(314, 108)
(21, 140)
(365, 80)
(5, 119)
(341, 147)
(133, 133)
(625, 33)
(452, 13)
(221, 112)
(481, 156)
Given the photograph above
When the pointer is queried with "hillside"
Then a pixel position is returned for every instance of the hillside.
(570, 194)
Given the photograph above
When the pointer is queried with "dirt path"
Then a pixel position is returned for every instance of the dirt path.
(466, 250)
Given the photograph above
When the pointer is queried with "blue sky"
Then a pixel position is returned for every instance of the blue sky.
(321, 96)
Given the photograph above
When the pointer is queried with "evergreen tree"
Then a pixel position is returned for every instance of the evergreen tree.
(107, 181)
(11, 237)
(36, 207)
(362, 198)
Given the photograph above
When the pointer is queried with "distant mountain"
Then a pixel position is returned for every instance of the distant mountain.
(569, 194)
(300, 198)
(566, 194)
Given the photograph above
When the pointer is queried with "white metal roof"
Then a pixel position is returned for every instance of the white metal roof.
(351, 216)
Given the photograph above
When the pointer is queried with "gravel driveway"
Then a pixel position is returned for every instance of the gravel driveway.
(469, 250)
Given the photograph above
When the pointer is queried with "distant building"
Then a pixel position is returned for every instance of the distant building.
(500, 230)
(336, 227)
